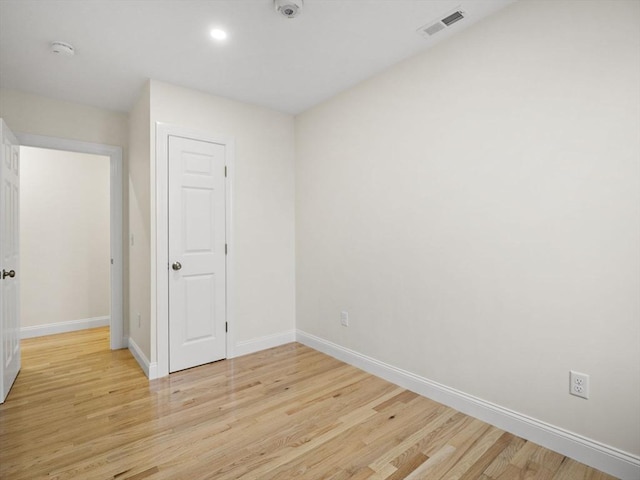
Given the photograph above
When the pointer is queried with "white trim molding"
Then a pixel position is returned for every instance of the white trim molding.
(63, 327)
(117, 331)
(608, 459)
(262, 343)
(150, 369)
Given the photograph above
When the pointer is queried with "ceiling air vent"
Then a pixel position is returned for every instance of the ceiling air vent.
(436, 26)
(453, 18)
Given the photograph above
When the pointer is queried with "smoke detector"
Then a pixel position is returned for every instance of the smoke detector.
(288, 8)
(62, 48)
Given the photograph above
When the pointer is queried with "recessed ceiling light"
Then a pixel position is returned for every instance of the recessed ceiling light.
(218, 34)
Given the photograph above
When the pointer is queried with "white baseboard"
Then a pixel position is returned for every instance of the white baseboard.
(63, 327)
(153, 371)
(262, 343)
(595, 454)
(150, 369)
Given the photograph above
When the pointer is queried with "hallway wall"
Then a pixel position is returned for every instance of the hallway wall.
(64, 244)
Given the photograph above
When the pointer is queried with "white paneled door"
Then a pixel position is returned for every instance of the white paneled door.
(197, 258)
(9, 256)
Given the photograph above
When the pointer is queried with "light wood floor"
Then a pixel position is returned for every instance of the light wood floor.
(78, 410)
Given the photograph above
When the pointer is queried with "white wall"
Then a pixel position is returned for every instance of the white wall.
(139, 224)
(64, 236)
(476, 210)
(263, 201)
(37, 115)
(27, 113)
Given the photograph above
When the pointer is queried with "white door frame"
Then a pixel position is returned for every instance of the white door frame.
(160, 242)
(116, 322)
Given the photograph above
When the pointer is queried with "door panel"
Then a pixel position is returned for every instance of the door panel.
(9, 259)
(197, 275)
(199, 220)
(199, 294)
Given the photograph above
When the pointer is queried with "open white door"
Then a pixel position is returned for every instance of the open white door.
(9, 260)
(197, 236)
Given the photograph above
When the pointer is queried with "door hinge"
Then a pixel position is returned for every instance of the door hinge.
(112, 261)
(226, 327)
(225, 248)
(225, 170)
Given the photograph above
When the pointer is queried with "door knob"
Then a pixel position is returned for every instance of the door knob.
(176, 266)
(10, 273)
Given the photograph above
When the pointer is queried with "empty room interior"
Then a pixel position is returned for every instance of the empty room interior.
(320, 239)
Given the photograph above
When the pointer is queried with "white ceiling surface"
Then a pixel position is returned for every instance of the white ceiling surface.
(285, 64)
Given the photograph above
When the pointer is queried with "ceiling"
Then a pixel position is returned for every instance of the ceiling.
(267, 59)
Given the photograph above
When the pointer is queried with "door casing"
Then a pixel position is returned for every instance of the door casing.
(116, 323)
(160, 243)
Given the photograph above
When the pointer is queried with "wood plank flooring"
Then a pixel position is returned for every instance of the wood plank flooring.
(79, 410)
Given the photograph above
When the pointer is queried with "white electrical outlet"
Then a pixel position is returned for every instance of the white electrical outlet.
(579, 384)
(344, 318)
